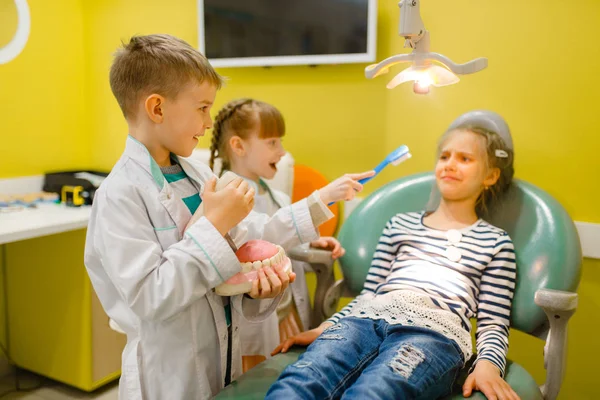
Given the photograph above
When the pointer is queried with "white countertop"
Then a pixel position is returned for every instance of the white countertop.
(46, 219)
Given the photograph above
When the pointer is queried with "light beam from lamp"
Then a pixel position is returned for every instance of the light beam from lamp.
(433, 75)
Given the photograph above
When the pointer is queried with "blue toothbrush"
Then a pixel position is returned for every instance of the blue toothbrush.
(397, 156)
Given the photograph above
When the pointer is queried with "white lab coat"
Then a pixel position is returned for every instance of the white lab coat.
(261, 338)
(157, 283)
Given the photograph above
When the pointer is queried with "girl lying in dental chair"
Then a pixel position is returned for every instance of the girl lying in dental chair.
(407, 335)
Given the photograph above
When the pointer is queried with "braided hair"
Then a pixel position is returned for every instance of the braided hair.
(217, 144)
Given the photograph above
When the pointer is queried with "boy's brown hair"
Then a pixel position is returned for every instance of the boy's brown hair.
(160, 64)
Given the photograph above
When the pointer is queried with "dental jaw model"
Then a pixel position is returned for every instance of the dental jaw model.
(254, 256)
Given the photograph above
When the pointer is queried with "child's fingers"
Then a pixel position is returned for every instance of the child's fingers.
(340, 251)
(509, 393)
(287, 344)
(335, 251)
(276, 280)
(501, 392)
(243, 187)
(488, 391)
(254, 292)
(265, 288)
(337, 247)
(349, 194)
(319, 243)
(348, 190)
(235, 183)
(468, 386)
(277, 349)
(355, 186)
(331, 242)
(286, 278)
(210, 185)
(283, 346)
(249, 196)
(513, 394)
(361, 175)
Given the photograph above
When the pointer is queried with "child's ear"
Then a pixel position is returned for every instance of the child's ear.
(492, 177)
(237, 146)
(154, 108)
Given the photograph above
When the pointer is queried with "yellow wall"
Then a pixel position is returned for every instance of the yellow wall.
(542, 77)
(42, 92)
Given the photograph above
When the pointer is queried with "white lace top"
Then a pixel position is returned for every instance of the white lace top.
(440, 280)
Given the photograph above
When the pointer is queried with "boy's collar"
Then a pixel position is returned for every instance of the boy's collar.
(139, 153)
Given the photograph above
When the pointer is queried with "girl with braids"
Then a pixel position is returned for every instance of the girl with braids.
(247, 138)
(407, 334)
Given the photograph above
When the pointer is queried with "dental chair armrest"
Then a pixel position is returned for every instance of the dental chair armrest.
(311, 256)
(559, 306)
(322, 264)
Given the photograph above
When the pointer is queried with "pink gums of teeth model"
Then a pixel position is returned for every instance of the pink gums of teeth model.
(254, 256)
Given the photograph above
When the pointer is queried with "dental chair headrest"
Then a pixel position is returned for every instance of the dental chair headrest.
(487, 120)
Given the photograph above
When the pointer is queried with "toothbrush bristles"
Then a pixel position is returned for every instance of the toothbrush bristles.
(401, 159)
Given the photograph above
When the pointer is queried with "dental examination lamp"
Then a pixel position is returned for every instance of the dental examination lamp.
(422, 72)
(17, 43)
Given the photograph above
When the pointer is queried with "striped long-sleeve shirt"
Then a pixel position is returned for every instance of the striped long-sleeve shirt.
(440, 280)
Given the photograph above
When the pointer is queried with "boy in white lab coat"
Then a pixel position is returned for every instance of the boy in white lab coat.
(155, 280)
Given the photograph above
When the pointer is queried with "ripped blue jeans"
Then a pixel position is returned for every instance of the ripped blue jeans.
(360, 358)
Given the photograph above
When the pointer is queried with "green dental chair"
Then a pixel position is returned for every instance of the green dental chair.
(548, 255)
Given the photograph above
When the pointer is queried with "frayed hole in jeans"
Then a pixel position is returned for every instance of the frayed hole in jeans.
(332, 336)
(406, 360)
(328, 335)
(334, 328)
(302, 364)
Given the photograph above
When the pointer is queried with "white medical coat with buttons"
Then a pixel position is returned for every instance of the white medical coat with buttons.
(156, 282)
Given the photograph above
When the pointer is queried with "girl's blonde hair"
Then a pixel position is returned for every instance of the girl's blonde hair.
(241, 117)
(498, 155)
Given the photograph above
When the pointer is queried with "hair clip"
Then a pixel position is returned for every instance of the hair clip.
(501, 154)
